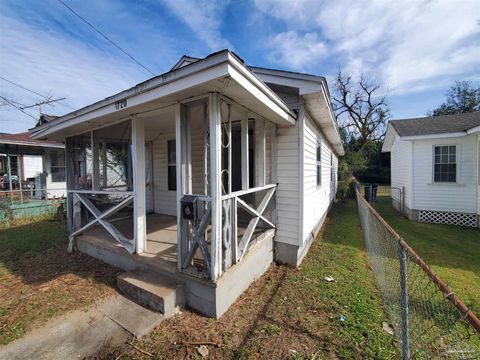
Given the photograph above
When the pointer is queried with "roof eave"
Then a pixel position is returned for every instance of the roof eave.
(215, 66)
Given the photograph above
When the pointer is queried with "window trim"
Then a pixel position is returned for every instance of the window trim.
(51, 166)
(318, 163)
(171, 165)
(457, 164)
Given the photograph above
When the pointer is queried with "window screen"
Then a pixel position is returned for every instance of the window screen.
(319, 163)
(172, 168)
(445, 163)
(57, 166)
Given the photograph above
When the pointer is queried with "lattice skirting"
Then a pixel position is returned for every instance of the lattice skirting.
(447, 217)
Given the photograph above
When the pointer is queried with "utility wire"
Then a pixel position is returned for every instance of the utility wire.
(16, 107)
(22, 87)
(33, 92)
(106, 37)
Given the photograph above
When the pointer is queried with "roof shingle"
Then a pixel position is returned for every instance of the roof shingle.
(436, 124)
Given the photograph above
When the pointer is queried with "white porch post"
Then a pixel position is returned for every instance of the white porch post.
(182, 174)
(139, 208)
(244, 152)
(260, 125)
(95, 161)
(215, 183)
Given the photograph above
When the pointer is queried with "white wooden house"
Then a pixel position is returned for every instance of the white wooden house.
(25, 158)
(435, 169)
(203, 175)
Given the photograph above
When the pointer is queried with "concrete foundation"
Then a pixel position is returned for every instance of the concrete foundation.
(293, 255)
(209, 298)
(409, 213)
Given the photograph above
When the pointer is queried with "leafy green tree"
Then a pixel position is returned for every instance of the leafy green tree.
(462, 97)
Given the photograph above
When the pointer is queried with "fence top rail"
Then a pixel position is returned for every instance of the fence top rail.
(100, 192)
(249, 191)
(441, 285)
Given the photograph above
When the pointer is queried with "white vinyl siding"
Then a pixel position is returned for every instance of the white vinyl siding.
(288, 187)
(456, 197)
(317, 199)
(401, 170)
(32, 166)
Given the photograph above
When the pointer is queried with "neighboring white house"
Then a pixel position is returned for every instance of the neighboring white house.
(435, 162)
(220, 169)
(28, 158)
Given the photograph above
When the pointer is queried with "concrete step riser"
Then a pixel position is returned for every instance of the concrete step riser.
(151, 291)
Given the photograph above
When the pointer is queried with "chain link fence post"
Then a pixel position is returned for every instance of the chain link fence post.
(404, 302)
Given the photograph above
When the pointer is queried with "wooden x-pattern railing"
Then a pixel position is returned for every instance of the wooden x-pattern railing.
(100, 217)
(197, 240)
(231, 244)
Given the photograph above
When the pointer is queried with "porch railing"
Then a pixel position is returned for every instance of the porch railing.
(81, 221)
(239, 231)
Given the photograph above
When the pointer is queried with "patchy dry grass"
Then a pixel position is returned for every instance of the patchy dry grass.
(39, 280)
(290, 313)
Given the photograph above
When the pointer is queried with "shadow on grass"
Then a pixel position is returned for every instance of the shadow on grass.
(37, 253)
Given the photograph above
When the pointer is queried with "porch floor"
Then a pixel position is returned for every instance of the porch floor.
(161, 237)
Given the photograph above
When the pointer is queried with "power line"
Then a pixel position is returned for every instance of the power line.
(33, 92)
(106, 37)
(16, 107)
(21, 87)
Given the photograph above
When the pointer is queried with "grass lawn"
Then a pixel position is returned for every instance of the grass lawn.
(291, 313)
(453, 252)
(39, 280)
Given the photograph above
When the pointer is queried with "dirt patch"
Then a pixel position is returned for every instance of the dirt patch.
(40, 280)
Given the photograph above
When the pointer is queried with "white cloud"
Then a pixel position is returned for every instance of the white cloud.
(411, 45)
(296, 51)
(204, 17)
(50, 63)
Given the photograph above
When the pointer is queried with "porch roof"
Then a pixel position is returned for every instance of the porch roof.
(221, 72)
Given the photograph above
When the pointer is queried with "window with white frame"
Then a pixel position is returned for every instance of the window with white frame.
(331, 167)
(319, 163)
(57, 166)
(172, 165)
(445, 163)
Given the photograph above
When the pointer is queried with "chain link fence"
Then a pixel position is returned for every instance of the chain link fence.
(428, 319)
(31, 203)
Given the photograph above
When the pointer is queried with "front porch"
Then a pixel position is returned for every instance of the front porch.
(186, 191)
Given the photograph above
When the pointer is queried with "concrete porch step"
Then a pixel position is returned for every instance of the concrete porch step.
(153, 290)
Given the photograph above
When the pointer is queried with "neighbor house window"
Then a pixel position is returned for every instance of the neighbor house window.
(57, 166)
(171, 162)
(319, 163)
(445, 163)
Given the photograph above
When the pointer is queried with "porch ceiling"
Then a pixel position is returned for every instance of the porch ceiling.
(222, 73)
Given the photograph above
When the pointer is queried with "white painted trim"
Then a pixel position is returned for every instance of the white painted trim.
(139, 208)
(434, 136)
(301, 170)
(214, 67)
(473, 130)
(33, 144)
(244, 152)
(457, 165)
(215, 183)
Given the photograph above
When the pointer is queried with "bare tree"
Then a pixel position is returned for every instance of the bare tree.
(360, 110)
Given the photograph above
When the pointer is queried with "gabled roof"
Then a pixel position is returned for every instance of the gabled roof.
(432, 127)
(436, 124)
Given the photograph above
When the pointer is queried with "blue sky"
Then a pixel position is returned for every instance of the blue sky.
(414, 49)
